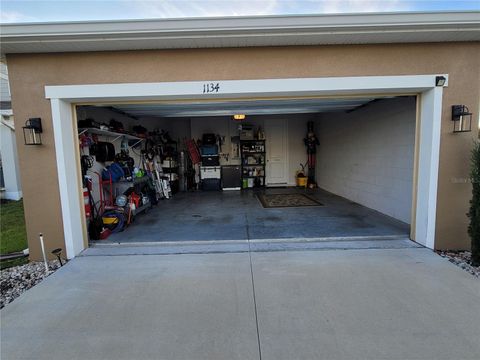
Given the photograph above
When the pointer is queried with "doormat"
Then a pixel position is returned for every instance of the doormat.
(287, 200)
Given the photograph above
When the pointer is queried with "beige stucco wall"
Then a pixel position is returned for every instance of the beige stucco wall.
(29, 73)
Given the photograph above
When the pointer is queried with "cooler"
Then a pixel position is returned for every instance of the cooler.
(210, 172)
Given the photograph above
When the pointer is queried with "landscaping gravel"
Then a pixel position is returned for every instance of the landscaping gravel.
(18, 279)
(461, 259)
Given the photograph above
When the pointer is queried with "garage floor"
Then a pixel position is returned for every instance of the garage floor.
(235, 215)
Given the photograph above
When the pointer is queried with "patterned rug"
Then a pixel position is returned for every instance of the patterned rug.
(287, 200)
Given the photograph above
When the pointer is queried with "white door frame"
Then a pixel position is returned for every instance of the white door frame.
(62, 98)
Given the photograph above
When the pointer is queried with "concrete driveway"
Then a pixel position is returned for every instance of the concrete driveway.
(332, 304)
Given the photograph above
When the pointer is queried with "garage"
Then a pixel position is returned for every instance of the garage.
(380, 90)
(391, 136)
(301, 169)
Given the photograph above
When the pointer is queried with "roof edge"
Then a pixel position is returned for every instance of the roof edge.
(242, 22)
(244, 17)
(272, 30)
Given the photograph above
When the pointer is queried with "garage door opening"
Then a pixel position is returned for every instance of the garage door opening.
(246, 184)
(64, 98)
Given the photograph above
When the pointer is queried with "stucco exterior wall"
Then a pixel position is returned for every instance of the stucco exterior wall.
(29, 73)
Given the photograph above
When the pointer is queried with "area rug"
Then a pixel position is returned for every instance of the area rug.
(287, 200)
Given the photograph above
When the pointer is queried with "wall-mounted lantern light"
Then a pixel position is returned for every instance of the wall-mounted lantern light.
(440, 80)
(32, 131)
(462, 119)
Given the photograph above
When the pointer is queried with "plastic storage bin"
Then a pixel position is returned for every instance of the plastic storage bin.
(210, 184)
(207, 150)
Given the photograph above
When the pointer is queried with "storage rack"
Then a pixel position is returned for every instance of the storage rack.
(210, 170)
(172, 167)
(111, 134)
(137, 183)
(253, 149)
(121, 185)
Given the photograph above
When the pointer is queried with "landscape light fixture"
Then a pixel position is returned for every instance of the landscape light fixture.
(32, 131)
(462, 119)
(58, 253)
(440, 80)
(239, 117)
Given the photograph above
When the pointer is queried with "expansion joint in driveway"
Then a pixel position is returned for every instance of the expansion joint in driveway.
(253, 287)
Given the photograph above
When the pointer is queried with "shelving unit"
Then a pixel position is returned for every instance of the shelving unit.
(253, 167)
(109, 190)
(137, 183)
(171, 170)
(122, 185)
(113, 134)
(141, 209)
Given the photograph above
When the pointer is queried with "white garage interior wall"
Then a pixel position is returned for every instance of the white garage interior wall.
(221, 125)
(178, 128)
(225, 126)
(367, 155)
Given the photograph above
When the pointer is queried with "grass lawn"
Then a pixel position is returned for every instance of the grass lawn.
(12, 224)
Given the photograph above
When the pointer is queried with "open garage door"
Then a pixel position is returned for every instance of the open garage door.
(193, 171)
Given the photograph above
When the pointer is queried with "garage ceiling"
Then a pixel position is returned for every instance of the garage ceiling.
(251, 107)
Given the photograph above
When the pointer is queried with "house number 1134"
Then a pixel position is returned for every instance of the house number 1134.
(211, 88)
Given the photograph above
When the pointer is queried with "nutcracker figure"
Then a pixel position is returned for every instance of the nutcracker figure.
(311, 143)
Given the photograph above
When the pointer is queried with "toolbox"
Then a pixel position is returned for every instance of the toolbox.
(207, 150)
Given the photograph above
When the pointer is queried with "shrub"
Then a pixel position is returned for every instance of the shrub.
(474, 213)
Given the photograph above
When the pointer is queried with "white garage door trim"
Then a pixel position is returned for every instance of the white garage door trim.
(62, 97)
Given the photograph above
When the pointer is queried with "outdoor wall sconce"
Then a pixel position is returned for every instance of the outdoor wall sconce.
(440, 80)
(32, 131)
(462, 119)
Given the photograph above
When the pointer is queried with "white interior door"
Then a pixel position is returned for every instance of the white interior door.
(277, 152)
